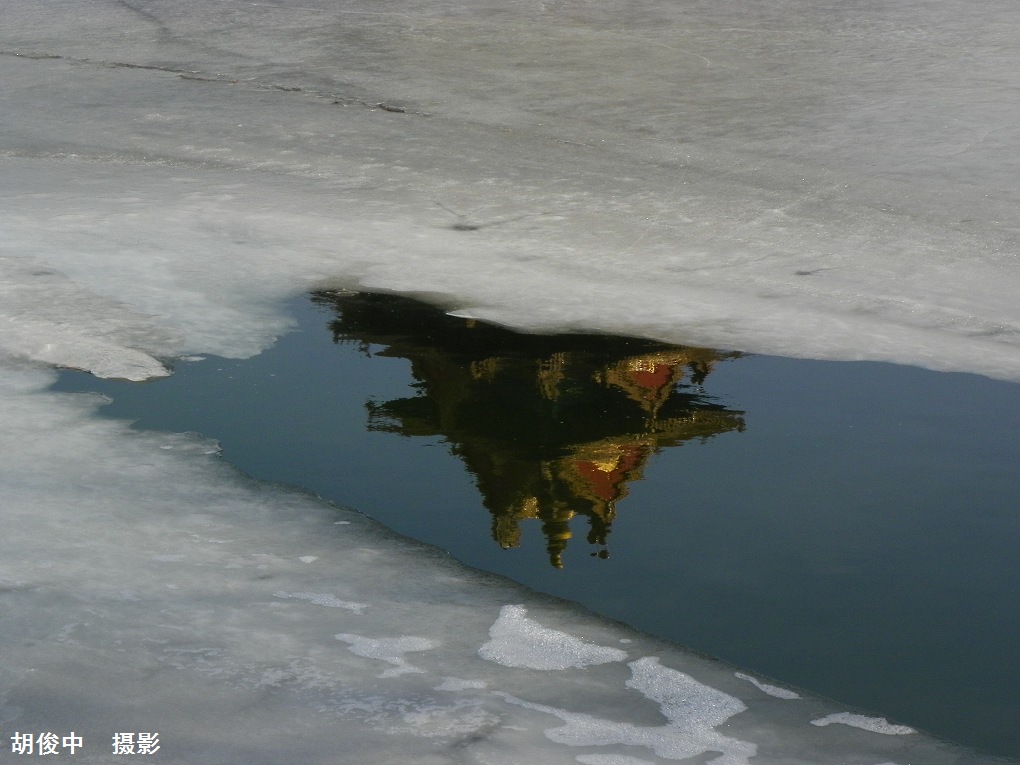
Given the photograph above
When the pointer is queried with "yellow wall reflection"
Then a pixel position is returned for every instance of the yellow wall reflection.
(550, 426)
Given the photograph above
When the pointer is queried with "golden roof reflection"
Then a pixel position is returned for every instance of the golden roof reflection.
(551, 426)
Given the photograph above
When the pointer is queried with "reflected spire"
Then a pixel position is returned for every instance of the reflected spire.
(550, 426)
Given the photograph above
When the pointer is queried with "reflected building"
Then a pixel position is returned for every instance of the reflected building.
(550, 426)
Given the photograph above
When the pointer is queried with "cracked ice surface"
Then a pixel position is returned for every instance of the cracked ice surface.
(836, 184)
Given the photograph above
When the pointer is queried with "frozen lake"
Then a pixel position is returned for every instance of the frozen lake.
(790, 180)
(848, 527)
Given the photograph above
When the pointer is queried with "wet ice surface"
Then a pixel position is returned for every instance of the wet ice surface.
(832, 183)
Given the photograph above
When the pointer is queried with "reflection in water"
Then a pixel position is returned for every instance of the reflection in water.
(550, 426)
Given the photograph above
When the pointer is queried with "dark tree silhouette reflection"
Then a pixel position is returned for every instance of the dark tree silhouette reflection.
(550, 426)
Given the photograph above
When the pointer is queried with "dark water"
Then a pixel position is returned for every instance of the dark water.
(849, 528)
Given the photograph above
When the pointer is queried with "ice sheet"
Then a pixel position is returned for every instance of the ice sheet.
(772, 178)
(833, 182)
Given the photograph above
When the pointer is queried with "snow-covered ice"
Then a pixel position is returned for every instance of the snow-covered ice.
(517, 641)
(830, 182)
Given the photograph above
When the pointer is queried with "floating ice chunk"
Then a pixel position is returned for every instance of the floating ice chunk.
(457, 684)
(873, 724)
(771, 690)
(521, 642)
(308, 558)
(323, 599)
(390, 650)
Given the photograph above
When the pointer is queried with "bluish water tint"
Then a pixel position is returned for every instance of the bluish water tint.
(851, 528)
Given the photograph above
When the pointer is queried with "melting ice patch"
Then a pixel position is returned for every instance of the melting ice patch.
(692, 709)
(771, 690)
(323, 599)
(390, 650)
(517, 641)
(873, 724)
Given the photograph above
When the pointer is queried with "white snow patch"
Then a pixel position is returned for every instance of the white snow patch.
(308, 558)
(668, 741)
(390, 650)
(518, 641)
(771, 690)
(683, 700)
(873, 724)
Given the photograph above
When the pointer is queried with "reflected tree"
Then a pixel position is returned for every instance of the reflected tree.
(550, 426)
